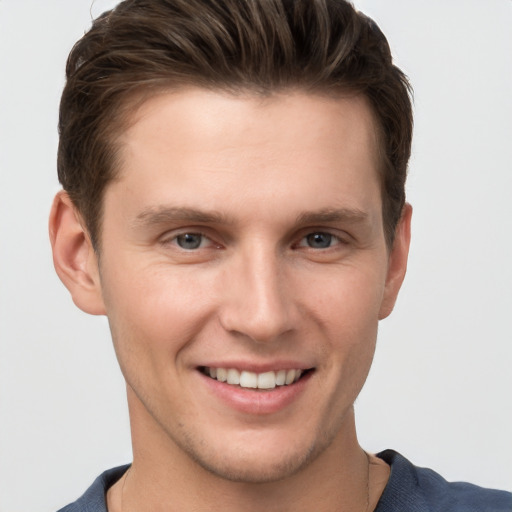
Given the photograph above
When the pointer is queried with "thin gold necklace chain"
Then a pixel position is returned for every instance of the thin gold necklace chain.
(367, 509)
(367, 482)
(122, 488)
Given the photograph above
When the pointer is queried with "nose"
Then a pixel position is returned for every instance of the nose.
(258, 298)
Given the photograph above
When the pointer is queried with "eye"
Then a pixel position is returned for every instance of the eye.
(319, 240)
(191, 241)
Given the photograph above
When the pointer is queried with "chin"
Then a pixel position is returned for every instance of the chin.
(262, 470)
(255, 463)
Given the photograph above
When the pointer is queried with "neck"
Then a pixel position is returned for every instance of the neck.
(164, 478)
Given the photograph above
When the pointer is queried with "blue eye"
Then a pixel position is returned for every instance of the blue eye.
(319, 240)
(190, 241)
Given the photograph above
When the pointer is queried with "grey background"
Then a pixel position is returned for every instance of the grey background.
(440, 388)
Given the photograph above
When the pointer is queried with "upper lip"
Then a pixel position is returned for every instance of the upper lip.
(258, 367)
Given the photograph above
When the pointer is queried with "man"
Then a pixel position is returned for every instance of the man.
(233, 201)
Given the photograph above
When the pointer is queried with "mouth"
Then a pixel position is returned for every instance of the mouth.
(252, 380)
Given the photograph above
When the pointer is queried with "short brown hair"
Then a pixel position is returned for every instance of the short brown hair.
(260, 46)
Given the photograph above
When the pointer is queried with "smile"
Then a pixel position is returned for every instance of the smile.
(247, 379)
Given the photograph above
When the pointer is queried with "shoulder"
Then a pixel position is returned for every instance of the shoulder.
(93, 500)
(418, 489)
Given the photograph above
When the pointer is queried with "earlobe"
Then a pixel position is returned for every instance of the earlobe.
(74, 257)
(397, 265)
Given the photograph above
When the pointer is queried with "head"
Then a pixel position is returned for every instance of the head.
(142, 48)
(235, 176)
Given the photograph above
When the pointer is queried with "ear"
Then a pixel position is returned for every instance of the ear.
(74, 257)
(397, 263)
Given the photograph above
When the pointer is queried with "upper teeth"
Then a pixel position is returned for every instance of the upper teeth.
(266, 380)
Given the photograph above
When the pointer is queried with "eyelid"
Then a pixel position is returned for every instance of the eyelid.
(342, 238)
(170, 237)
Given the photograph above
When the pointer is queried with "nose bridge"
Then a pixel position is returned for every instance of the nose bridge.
(258, 304)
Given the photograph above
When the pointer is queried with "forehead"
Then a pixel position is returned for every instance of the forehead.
(199, 145)
(193, 112)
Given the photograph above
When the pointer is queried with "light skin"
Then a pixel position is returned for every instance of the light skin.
(243, 233)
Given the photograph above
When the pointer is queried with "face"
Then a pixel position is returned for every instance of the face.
(243, 270)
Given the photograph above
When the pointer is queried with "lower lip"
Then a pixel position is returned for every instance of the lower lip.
(257, 402)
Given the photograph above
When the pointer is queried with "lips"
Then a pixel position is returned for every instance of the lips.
(256, 390)
(253, 380)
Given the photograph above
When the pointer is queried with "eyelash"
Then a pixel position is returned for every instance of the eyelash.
(174, 240)
(333, 240)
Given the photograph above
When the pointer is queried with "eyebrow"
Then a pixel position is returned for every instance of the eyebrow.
(351, 215)
(166, 215)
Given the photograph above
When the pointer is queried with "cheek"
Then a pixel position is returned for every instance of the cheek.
(154, 312)
(347, 298)
(345, 307)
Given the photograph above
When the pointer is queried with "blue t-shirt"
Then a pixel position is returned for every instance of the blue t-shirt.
(409, 489)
